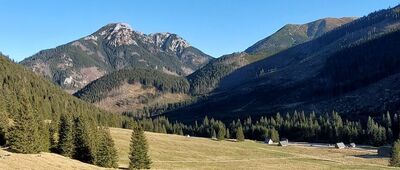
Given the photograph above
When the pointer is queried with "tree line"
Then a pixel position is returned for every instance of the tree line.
(296, 126)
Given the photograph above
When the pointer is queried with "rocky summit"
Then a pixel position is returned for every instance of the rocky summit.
(113, 47)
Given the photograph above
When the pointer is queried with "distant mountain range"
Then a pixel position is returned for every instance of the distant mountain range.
(344, 64)
(113, 47)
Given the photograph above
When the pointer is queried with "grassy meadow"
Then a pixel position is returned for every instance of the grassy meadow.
(180, 152)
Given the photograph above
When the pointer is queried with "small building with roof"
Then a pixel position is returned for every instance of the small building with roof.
(340, 145)
(283, 143)
(268, 141)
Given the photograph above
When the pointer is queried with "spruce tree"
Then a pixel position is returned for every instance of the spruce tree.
(83, 149)
(274, 135)
(395, 159)
(221, 131)
(65, 144)
(3, 127)
(239, 134)
(53, 137)
(3, 121)
(44, 139)
(227, 135)
(138, 156)
(213, 134)
(106, 154)
(23, 135)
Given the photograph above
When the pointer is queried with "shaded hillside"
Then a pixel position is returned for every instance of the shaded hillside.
(45, 99)
(304, 60)
(114, 47)
(133, 89)
(208, 78)
(351, 69)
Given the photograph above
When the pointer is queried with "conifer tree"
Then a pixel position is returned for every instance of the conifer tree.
(274, 135)
(180, 132)
(44, 137)
(227, 135)
(395, 159)
(3, 121)
(23, 135)
(221, 132)
(65, 145)
(213, 134)
(53, 137)
(83, 149)
(239, 134)
(106, 154)
(3, 127)
(138, 156)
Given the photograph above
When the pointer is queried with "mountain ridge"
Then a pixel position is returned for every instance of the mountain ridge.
(292, 80)
(113, 47)
(286, 37)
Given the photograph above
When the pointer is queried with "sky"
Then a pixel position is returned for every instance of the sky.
(216, 27)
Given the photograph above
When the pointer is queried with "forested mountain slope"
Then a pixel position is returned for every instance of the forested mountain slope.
(304, 60)
(113, 47)
(135, 90)
(22, 90)
(350, 70)
(208, 78)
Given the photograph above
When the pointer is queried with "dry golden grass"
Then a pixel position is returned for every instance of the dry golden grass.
(179, 152)
(47, 161)
(131, 93)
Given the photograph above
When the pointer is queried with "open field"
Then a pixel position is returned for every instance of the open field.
(47, 161)
(179, 152)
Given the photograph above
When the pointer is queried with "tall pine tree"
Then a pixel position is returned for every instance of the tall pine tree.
(239, 134)
(227, 135)
(65, 145)
(138, 156)
(106, 154)
(83, 150)
(395, 159)
(23, 135)
(3, 121)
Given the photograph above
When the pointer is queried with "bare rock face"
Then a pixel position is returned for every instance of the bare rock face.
(114, 47)
(119, 34)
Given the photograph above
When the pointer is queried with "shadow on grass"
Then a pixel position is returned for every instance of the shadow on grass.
(370, 156)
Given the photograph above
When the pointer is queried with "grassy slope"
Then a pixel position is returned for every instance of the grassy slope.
(40, 161)
(179, 152)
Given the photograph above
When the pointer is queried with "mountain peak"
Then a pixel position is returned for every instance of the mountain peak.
(117, 34)
(120, 25)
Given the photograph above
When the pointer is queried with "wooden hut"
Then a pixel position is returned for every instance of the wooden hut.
(340, 145)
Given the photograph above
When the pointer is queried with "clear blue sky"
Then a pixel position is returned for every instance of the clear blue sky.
(216, 27)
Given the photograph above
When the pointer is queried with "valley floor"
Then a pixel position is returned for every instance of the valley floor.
(180, 152)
